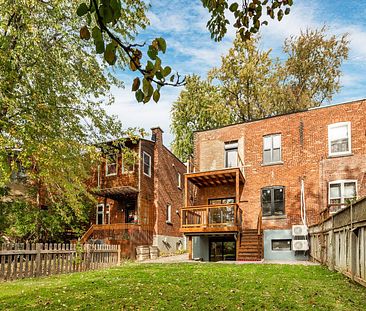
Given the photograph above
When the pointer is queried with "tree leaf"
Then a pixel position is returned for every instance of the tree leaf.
(152, 53)
(135, 84)
(110, 56)
(139, 95)
(166, 71)
(233, 7)
(156, 96)
(96, 33)
(161, 44)
(82, 9)
(99, 46)
(84, 33)
(145, 86)
(132, 65)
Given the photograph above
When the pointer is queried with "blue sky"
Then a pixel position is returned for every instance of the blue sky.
(190, 50)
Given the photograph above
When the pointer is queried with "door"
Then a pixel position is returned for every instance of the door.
(222, 249)
(131, 213)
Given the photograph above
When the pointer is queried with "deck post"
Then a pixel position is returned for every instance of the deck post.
(190, 255)
(237, 187)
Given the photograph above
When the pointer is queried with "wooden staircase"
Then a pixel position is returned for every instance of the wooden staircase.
(251, 245)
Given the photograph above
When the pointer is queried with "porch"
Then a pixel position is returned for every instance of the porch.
(214, 204)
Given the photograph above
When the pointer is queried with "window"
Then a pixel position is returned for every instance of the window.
(273, 201)
(111, 165)
(339, 138)
(272, 148)
(231, 154)
(168, 214)
(342, 192)
(179, 179)
(281, 245)
(100, 214)
(147, 164)
(107, 214)
(127, 166)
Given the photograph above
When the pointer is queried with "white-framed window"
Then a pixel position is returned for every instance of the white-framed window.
(341, 193)
(111, 164)
(107, 214)
(271, 148)
(339, 138)
(100, 214)
(179, 180)
(168, 214)
(231, 154)
(127, 167)
(146, 158)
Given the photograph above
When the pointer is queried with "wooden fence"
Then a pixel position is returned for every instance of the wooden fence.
(33, 260)
(340, 241)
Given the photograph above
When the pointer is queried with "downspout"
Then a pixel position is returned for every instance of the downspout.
(139, 182)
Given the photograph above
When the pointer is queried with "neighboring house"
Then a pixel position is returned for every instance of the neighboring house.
(251, 182)
(138, 203)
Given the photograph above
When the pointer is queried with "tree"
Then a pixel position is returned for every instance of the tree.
(198, 107)
(252, 85)
(313, 68)
(245, 78)
(105, 22)
(52, 88)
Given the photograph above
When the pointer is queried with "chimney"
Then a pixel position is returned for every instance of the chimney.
(157, 135)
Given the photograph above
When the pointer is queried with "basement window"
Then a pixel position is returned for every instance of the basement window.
(281, 245)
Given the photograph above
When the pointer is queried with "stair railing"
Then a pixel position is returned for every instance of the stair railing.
(259, 233)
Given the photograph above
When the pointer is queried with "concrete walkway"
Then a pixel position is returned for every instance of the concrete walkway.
(184, 258)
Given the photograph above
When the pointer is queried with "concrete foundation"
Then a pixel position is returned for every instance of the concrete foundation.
(273, 254)
(169, 244)
(200, 248)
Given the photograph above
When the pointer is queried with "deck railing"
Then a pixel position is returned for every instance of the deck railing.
(211, 216)
(191, 168)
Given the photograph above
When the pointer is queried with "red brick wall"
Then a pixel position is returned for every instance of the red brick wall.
(305, 158)
(167, 192)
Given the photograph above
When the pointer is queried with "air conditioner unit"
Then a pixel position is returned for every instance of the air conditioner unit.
(299, 230)
(300, 245)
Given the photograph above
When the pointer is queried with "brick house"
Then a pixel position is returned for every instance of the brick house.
(251, 182)
(138, 201)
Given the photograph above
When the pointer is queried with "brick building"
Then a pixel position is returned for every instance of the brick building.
(138, 200)
(248, 180)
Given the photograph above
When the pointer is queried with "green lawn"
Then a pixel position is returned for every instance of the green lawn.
(188, 286)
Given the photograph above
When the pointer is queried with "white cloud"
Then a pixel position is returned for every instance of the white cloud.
(133, 114)
(191, 50)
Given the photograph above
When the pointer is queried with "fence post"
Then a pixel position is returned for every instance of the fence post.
(119, 254)
(38, 259)
(353, 254)
(87, 256)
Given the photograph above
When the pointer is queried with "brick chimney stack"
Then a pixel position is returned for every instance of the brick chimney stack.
(157, 135)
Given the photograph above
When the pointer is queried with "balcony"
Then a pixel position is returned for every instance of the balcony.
(211, 218)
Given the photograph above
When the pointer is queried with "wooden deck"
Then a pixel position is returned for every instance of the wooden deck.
(211, 218)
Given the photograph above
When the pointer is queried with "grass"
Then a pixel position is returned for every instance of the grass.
(188, 286)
